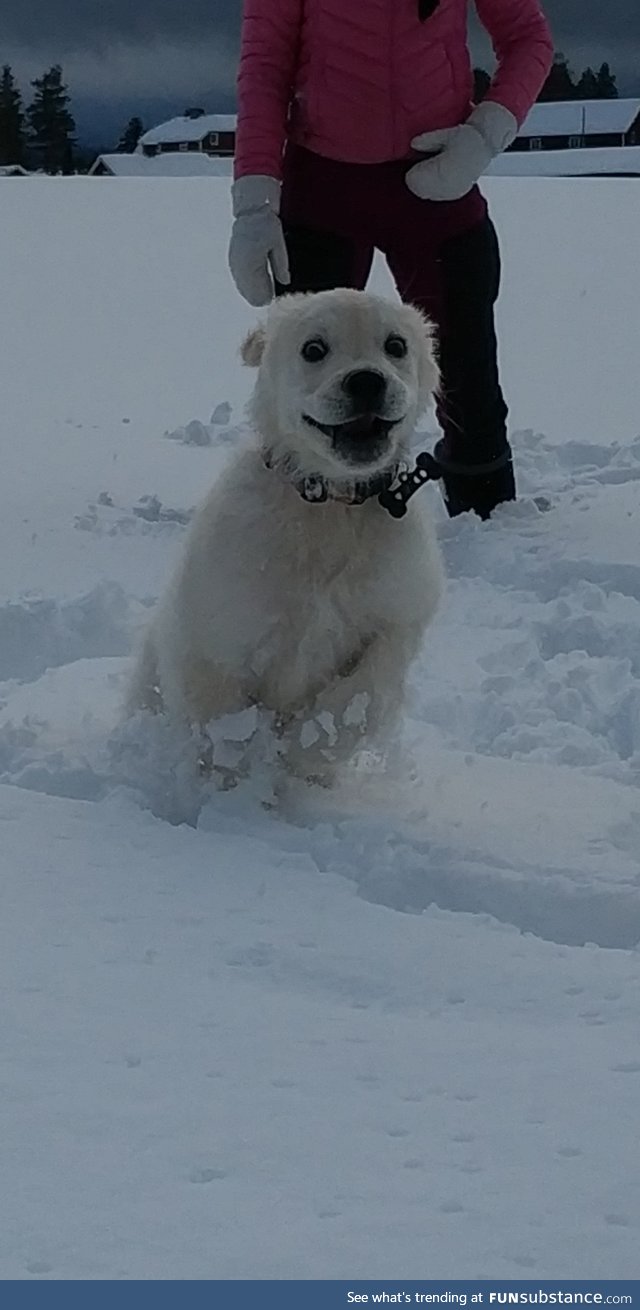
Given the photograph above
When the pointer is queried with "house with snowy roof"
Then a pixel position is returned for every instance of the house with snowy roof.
(169, 164)
(193, 132)
(578, 124)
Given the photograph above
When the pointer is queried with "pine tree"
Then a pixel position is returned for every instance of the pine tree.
(13, 139)
(559, 84)
(587, 87)
(607, 89)
(131, 136)
(52, 126)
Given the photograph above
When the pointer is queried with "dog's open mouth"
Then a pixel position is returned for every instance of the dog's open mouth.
(364, 427)
(361, 441)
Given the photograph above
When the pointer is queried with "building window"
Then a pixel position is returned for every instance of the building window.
(184, 145)
(535, 143)
(575, 142)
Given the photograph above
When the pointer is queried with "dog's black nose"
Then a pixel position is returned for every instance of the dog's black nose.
(366, 386)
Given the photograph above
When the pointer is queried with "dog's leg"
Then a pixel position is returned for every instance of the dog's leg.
(203, 691)
(210, 700)
(193, 691)
(143, 692)
(356, 708)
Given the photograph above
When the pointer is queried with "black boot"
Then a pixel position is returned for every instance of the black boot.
(476, 487)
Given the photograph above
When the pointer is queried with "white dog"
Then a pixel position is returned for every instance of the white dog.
(297, 591)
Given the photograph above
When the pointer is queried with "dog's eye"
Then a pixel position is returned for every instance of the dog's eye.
(396, 347)
(315, 350)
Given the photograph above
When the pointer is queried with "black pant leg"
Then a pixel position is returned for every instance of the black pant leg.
(472, 412)
(322, 261)
(472, 409)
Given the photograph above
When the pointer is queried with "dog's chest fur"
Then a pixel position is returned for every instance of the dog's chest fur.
(296, 592)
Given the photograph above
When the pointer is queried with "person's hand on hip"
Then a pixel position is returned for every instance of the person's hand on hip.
(463, 153)
(257, 251)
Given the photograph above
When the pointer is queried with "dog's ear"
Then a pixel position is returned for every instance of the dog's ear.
(252, 348)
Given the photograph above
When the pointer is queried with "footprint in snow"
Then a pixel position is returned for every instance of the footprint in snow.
(206, 1175)
(524, 1261)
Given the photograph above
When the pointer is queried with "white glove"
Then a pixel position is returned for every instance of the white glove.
(257, 252)
(464, 153)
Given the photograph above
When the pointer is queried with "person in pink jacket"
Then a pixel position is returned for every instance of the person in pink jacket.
(357, 132)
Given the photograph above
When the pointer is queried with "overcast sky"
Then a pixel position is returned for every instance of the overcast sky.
(156, 57)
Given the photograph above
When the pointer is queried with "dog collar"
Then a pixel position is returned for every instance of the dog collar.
(317, 489)
(393, 488)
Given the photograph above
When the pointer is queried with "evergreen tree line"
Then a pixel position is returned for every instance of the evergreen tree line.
(562, 84)
(42, 134)
(590, 85)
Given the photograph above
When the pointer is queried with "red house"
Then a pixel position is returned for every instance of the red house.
(209, 134)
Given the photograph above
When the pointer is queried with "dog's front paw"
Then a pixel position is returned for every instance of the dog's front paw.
(308, 749)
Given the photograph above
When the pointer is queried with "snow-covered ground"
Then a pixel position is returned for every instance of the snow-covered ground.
(590, 161)
(387, 1034)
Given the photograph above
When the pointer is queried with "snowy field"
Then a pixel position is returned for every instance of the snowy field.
(390, 1034)
(589, 161)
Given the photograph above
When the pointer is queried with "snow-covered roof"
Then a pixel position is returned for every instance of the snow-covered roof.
(13, 170)
(174, 164)
(186, 128)
(580, 117)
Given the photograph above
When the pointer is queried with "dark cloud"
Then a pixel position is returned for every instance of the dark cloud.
(592, 32)
(594, 23)
(91, 24)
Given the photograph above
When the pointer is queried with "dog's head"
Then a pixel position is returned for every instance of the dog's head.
(343, 377)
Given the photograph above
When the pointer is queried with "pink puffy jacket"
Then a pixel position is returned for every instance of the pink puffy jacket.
(355, 80)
